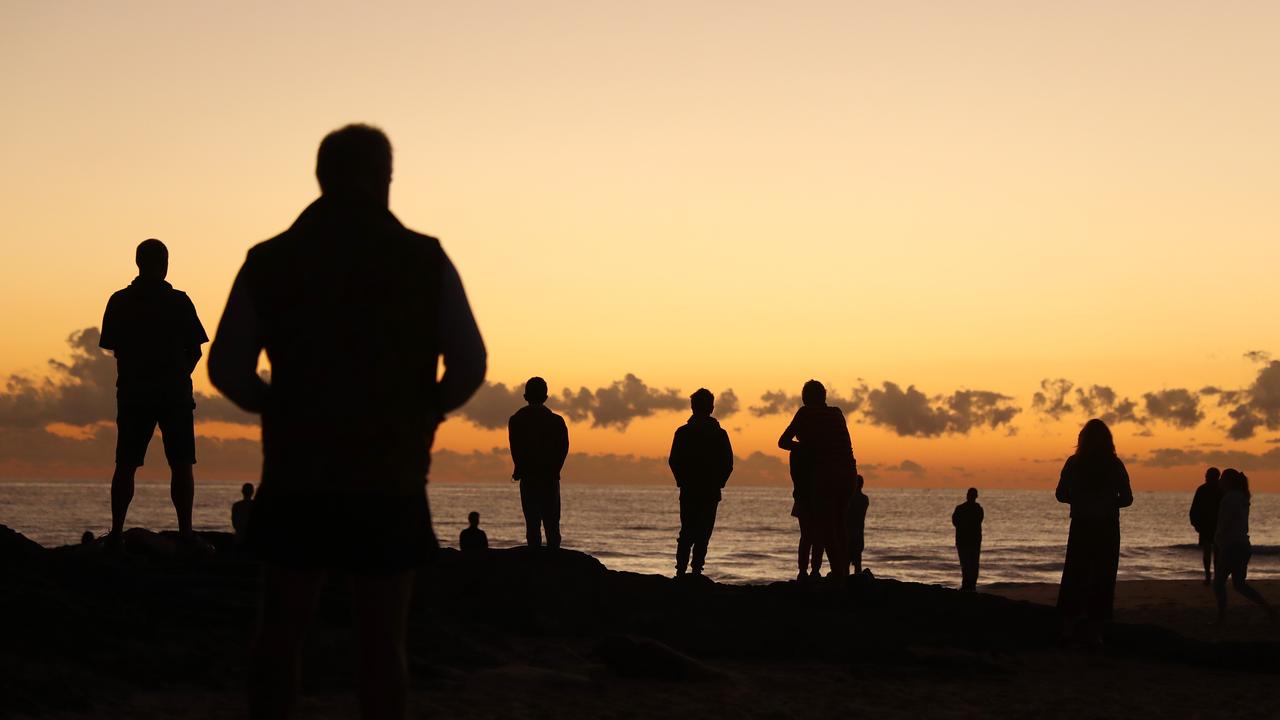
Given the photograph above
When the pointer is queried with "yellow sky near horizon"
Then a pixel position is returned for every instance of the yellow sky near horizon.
(737, 195)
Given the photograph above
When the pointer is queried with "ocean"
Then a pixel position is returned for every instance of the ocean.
(633, 528)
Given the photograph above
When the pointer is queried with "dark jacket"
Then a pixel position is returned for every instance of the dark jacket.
(1096, 488)
(701, 456)
(1204, 508)
(539, 443)
(347, 300)
(967, 518)
(155, 334)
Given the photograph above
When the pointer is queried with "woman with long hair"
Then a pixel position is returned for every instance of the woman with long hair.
(1095, 484)
(1231, 540)
(823, 469)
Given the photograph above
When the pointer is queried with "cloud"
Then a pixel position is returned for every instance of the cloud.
(617, 404)
(1259, 404)
(1245, 461)
(1178, 407)
(1051, 398)
(727, 404)
(911, 413)
(909, 467)
(82, 391)
(37, 453)
(1258, 356)
(1102, 402)
(492, 405)
(778, 402)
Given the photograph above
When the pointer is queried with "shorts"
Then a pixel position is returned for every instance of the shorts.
(1206, 540)
(357, 532)
(136, 423)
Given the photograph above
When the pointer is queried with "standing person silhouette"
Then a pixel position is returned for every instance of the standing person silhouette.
(809, 551)
(241, 510)
(539, 445)
(1204, 517)
(155, 335)
(701, 460)
(967, 519)
(856, 523)
(820, 433)
(1232, 542)
(355, 312)
(1095, 484)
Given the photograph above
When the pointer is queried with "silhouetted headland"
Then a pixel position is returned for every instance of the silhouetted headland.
(120, 633)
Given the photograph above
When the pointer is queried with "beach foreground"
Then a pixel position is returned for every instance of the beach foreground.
(148, 633)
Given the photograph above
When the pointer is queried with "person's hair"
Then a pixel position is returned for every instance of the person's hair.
(473, 517)
(702, 401)
(858, 482)
(351, 157)
(813, 393)
(1095, 440)
(535, 390)
(152, 257)
(1233, 479)
(246, 489)
(972, 494)
(1212, 474)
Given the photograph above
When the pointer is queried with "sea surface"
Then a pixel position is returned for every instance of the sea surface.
(909, 534)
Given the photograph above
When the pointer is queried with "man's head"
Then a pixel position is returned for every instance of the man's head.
(247, 490)
(152, 258)
(813, 393)
(1211, 475)
(474, 518)
(535, 391)
(354, 162)
(971, 495)
(858, 483)
(702, 402)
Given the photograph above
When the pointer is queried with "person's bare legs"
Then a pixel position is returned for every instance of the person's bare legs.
(182, 490)
(1208, 564)
(121, 496)
(381, 606)
(288, 602)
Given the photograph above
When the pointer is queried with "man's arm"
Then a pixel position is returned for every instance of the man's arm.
(195, 334)
(562, 445)
(517, 451)
(233, 357)
(1063, 493)
(726, 456)
(1124, 498)
(107, 338)
(675, 460)
(462, 348)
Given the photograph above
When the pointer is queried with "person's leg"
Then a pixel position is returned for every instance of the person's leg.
(1208, 559)
(961, 554)
(685, 540)
(706, 522)
(1242, 586)
(288, 602)
(121, 496)
(532, 520)
(551, 512)
(1220, 574)
(382, 617)
(177, 430)
(977, 565)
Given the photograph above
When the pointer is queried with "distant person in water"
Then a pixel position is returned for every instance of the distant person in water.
(355, 312)
(967, 519)
(855, 523)
(240, 513)
(86, 538)
(701, 461)
(155, 335)
(819, 432)
(472, 538)
(1232, 542)
(1204, 517)
(539, 445)
(1096, 485)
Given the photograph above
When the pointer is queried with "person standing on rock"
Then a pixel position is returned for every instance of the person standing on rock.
(155, 335)
(856, 523)
(967, 519)
(355, 312)
(820, 433)
(1204, 517)
(539, 445)
(701, 460)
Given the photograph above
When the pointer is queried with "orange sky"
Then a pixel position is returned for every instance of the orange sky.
(739, 195)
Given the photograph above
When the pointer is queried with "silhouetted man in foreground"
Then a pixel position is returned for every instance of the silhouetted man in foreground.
(967, 518)
(539, 445)
(472, 538)
(240, 512)
(1204, 517)
(856, 523)
(155, 334)
(354, 312)
(701, 461)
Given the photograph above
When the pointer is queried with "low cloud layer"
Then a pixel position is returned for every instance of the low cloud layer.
(909, 412)
(82, 391)
(1239, 459)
